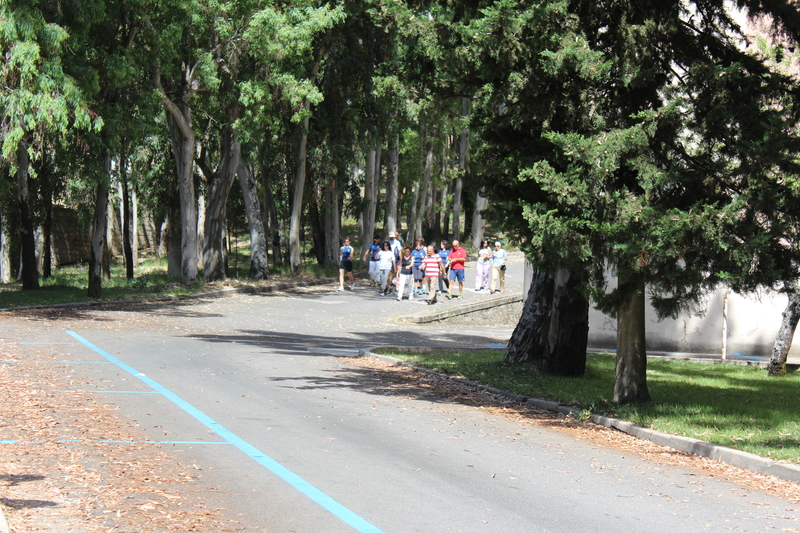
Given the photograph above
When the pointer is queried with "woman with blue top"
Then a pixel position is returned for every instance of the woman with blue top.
(444, 253)
(499, 258)
(346, 265)
(418, 255)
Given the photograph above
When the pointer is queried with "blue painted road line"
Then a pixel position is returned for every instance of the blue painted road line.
(737, 354)
(326, 502)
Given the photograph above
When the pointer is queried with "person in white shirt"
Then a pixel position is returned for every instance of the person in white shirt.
(499, 258)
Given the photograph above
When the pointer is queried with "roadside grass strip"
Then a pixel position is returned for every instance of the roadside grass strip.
(344, 514)
(735, 406)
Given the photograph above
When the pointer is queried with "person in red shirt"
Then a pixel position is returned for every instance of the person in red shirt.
(456, 261)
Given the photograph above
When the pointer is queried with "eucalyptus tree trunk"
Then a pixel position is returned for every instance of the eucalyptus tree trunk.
(273, 229)
(331, 221)
(29, 272)
(295, 260)
(568, 332)
(411, 234)
(99, 233)
(630, 384)
(463, 167)
(220, 181)
(182, 137)
(5, 250)
(127, 239)
(174, 234)
(259, 263)
(529, 342)
(135, 223)
(478, 224)
(370, 199)
(47, 229)
(783, 340)
(422, 193)
(390, 220)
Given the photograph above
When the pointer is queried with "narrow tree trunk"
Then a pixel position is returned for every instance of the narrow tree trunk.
(47, 259)
(390, 220)
(332, 221)
(272, 215)
(783, 341)
(5, 250)
(127, 244)
(463, 167)
(478, 224)
(568, 333)
(411, 233)
(174, 233)
(424, 191)
(259, 263)
(99, 233)
(135, 223)
(317, 234)
(29, 272)
(631, 374)
(370, 200)
(219, 188)
(529, 341)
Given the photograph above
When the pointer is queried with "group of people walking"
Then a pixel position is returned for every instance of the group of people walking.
(423, 269)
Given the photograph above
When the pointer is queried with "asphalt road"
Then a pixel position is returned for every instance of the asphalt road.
(258, 393)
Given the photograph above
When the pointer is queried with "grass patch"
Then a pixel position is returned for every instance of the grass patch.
(736, 406)
(70, 284)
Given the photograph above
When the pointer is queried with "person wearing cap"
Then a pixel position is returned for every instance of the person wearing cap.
(499, 258)
(374, 263)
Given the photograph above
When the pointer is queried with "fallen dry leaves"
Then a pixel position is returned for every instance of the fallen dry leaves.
(405, 376)
(82, 485)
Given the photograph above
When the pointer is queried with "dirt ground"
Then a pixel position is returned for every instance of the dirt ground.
(57, 478)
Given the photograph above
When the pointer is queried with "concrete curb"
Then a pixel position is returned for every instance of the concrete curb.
(723, 454)
(433, 316)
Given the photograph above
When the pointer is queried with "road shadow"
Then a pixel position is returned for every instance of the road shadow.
(311, 344)
(27, 504)
(15, 479)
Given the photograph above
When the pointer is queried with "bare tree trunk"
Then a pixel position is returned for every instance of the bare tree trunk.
(529, 342)
(99, 233)
(5, 250)
(332, 221)
(272, 216)
(411, 233)
(568, 333)
(370, 200)
(783, 340)
(259, 263)
(135, 223)
(47, 229)
(201, 225)
(424, 191)
(219, 188)
(631, 374)
(295, 259)
(127, 244)
(174, 233)
(29, 272)
(463, 167)
(390, 220)
(478, 224)
(179, 121)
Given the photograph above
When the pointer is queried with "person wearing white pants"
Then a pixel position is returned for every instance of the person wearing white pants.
(483, 267)
(406, 274)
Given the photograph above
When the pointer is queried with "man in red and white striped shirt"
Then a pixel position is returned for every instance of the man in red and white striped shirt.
(432, 266)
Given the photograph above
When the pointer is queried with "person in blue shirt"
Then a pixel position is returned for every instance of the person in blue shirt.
(444, 253)
(418, 255)
(372, 253)
(346, 265)
(499, 258)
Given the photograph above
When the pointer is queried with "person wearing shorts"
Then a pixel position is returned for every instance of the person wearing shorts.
(418, 255)
(432, 267)
(457, 261)
(372, 253)
(346, 265)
